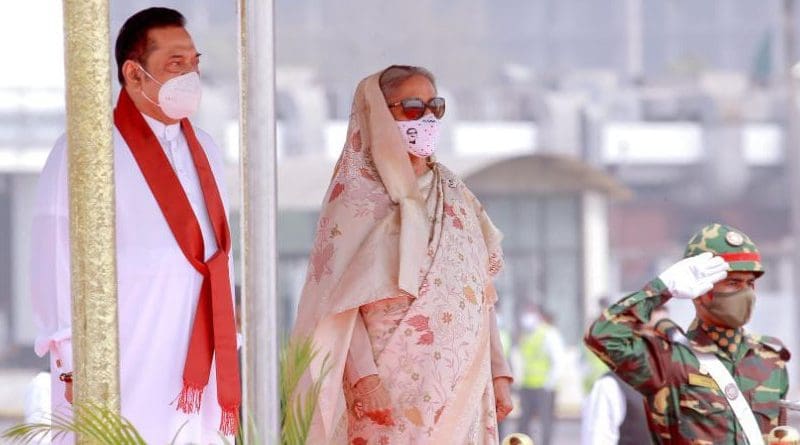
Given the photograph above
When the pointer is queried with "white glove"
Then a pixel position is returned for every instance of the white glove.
(694, 276)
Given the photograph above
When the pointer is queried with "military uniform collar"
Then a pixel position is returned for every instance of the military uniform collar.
(722, 341)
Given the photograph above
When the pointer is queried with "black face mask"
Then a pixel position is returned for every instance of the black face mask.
(732, 308)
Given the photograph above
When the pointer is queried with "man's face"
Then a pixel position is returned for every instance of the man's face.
(170, 53)
(736, 281)
(412, 135)
(530, 319)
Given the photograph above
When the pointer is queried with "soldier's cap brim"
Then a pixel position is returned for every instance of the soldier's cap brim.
(746, 266)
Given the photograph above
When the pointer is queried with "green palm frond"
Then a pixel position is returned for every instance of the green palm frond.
(250, 431)
(297, 410)
(99, 423)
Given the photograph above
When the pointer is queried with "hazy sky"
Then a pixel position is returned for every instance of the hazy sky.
(31, 43)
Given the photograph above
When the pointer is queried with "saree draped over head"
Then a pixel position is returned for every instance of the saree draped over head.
(414, 257)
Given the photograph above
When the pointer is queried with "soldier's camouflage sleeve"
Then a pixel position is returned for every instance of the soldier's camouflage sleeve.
(622, 340)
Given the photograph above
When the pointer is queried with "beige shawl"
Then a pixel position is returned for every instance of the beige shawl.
(371, 243)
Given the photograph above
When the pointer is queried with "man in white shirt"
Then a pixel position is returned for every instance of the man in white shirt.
(177, 335)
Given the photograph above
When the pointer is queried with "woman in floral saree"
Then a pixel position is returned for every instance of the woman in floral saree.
(399, 292)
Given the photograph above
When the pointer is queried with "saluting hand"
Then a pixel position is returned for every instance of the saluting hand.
(692, 277)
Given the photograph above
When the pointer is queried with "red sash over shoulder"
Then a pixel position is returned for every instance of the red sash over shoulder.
(214, 330)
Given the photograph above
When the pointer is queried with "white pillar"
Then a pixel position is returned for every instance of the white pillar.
(259, 216)
(634, 31)
(595, 251)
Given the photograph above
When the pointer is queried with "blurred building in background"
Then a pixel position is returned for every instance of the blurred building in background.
(682, 102)
(598, 134)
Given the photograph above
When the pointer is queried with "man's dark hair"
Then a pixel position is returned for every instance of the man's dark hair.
(132, 39)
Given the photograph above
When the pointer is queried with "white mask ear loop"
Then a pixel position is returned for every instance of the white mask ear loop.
(154, 80)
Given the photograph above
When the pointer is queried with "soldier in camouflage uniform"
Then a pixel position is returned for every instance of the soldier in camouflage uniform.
(684, 404)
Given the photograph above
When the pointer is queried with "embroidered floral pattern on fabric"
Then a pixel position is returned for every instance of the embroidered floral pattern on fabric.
(495, 263)
(357, 181)
(426, 344)
(322, 253)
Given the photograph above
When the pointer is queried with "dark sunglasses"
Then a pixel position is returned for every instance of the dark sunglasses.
(414, 107)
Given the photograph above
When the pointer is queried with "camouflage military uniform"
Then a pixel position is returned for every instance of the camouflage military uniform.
(684, 404)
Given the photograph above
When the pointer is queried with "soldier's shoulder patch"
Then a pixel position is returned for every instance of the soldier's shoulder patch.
(774, 345)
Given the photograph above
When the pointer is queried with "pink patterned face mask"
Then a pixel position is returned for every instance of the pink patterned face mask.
(420, 135)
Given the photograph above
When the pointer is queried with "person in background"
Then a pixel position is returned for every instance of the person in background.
(541, 351)
(613, 413)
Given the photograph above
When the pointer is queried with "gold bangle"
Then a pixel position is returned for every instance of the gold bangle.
(366, 393)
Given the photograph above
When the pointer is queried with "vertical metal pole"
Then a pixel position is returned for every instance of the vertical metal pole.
(259, 216)
(91, 192)
(634, 59)
(792, 144)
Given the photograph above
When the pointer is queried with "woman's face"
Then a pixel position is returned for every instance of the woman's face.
(414, 87)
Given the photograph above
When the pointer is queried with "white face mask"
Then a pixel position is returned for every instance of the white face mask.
(529, 321)
(178, 97)
(420, 135)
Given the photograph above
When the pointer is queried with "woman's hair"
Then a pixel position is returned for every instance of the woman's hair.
(395, 75)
